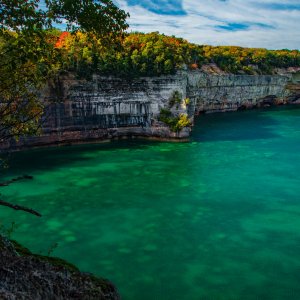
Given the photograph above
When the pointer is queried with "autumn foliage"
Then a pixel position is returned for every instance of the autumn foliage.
(61, 39)
(154, 54)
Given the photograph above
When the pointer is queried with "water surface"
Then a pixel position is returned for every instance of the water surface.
(216, 218)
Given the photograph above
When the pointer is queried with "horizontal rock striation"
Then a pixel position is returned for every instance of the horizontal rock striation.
(211, 93)
(105, 108)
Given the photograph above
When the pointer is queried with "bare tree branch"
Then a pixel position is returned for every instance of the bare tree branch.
(19, 207)
(6, 183)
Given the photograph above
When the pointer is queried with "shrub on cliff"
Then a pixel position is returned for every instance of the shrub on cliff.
(175, 123)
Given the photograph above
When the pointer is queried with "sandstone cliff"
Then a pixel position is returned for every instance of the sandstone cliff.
(108, 107)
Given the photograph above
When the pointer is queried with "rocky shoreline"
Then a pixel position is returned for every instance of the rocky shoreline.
(26, 276)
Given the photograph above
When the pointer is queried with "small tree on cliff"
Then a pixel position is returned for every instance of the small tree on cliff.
(28, 56)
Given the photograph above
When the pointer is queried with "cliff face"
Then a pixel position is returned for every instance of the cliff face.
(212, 93)
(107, 108)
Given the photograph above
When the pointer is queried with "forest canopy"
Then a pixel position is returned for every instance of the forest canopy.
(155, 54)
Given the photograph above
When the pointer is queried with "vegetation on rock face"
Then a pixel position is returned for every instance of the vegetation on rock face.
(176, 123)
(175, 99)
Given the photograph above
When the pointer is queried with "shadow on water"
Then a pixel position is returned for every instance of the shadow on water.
(54, 157)
(234, 126)
(231, 126)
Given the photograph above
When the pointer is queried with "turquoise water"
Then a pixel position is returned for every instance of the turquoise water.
(215, 218)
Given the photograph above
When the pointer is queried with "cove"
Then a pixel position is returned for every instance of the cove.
(215, 218)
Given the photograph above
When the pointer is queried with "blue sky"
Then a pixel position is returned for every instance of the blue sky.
(271, 24)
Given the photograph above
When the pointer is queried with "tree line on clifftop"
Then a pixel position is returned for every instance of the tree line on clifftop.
(153, 54)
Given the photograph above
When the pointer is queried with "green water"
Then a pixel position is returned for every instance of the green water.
(216, 218)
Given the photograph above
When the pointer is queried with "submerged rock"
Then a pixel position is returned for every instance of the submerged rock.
(24, 275)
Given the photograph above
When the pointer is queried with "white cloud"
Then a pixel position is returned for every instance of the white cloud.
(272, 23)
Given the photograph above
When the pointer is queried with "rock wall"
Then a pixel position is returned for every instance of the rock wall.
(105, 108)
(211, 93)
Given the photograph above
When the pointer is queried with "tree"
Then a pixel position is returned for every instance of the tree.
(28, 56)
